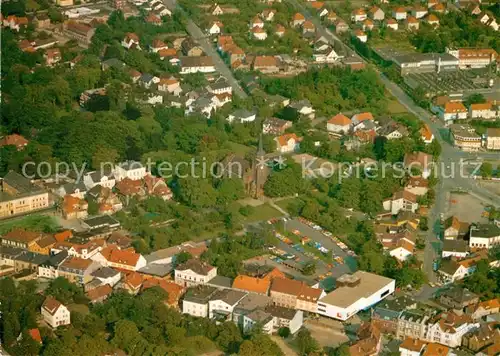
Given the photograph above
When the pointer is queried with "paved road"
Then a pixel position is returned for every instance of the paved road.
(195, 32)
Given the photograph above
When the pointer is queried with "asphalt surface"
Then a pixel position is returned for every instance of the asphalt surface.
(204, 41)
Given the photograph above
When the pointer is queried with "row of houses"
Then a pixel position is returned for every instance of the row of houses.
(451, 109)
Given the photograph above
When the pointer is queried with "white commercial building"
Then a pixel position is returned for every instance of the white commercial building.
(194, 272)
(484, 236)
(354, 293)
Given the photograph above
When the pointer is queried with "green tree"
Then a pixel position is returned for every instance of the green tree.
(305, 342)
(309, 268)
(284, 332)
(486, 170)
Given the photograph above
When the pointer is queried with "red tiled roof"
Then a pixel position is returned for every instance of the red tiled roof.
(124, 257)
(340, 119)
(15, 140)
(63, 235)
(51, 305)
(99, 292)
(297, 288)
(283, 139)
(251, 284)
(35, 335)
(174, 290)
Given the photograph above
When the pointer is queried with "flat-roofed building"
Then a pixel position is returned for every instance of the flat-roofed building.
(465, 137)
(484, 236)
(354, 293)
(474, 57)
(19, 196)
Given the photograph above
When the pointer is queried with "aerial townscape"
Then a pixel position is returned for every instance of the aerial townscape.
(250, 177)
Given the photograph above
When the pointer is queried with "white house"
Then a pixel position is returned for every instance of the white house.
(455, 248)
(286, 318)
(448, 328)
(85, 251)
(128, 260)
(257, 22)
(339, 124)
(107, 275)
(399, 13)
(419, 12)
(224, 301)
(49, 269)
(482, 111)
(200, 64)
(360, 35)
(130, 169)
(103, 178)
(303, 107)
(194, 272)
(215, 28)
(484, 236)
(170, 85)
(259, 33)
(327, 55)
(392, 24)
(258, 317)
(358, 15)
(158, 45)
(131, 40)
(195, 301)
(55, 313)
(241, 115)
(451, 111)
(148, 80)
(452, 270)
(287, 143)
(401, 201)
(354, 293)
(376, 13)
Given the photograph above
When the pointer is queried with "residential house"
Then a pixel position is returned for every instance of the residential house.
(170, 85)
(303, 107)
(360, 35)
(275, 126)
(216, 10)
(399, 13)
(358, 15)
(295, 294)
(401, 201)
(55, 313)
(376, 13)
(399, 245)
(298, 19)
(412, 347)
(77, 190)
(153, 19)
(465, 138)
(258, 318)
(174, 291)
(215, 28)
(132, 170)
(458, 298)
(413, 323)
(43, 245)
(452, 270)
(220, 86)
(251, 284)
(486, 308)
(107, 275)
(287, 143)
(201, 64)
(132, 282)
(417, 185)
(20, 238)
(285, 318)
(419, 11)
(259, 33)
(492, 138)
(52, 56)
(41, 20)
(249, 303)
(341, 27)
(268, 14)
(147, 80)
(222, 303)
(385, 315)
(418, 161)
(325, 54)
(484, 236)
(241, 116)
(196, 301)
(85, 251)
(78, 270)
(457, 248)
(50, 268)
(14, 140)
(194, 272)
(157, 45)
(157, 187)
(354, 293)
(339, 124)
(439, 8)
(308, 27)
(74, 208)
(485, 335)
(392, 130)
(412, 23)
(191, 48)
(448, 328)
(426, 134)
(20, 196)
(279, 30)
(131, 41)
(266, 64)
(369, 343)
(104, 178)
(454, 228)
(256, 22)
(392, 24)
(114, 257)
(368, 25)
(482, 111)
(432, 20)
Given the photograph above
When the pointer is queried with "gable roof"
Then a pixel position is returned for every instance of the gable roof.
(251, 284)
(196, 266)
(14, 139)
(99, 292)
(124, 257)
(297, 288)
(340, 120)
(283, 139)
(51, 305)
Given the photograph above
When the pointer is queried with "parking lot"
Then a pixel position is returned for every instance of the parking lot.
(445, 82)
(302, 242)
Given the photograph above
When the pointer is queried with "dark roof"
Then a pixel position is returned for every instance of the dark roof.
(70, 188)
(228, 296)
(448, 266)
(105, 272)
(200, 294)
(459, 294)
(18, 182)
(10, 251)
(202, 61)
(196, 266)
(259, 316)
(485, 230)
(146, 77)
(396, 304)
(159, 270)
(46, 241)
(57, 259)
(221, 281)
(281, 312)
(34, 258)
(98, 221)
(455, 246)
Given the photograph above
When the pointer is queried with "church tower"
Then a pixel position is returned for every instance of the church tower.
(261, 171)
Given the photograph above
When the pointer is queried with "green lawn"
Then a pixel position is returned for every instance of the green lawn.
(395, 107)
(285, 203)
(262, 213)
(42, 223)
(239, 149)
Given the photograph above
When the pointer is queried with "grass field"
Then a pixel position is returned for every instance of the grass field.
(285, 203)
(262, 213)
(239, 149)
(395, 107)
(42, 223)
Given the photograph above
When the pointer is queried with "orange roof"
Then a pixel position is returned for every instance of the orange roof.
(464, 53)
(35, 335)
(368, 22)
(265, 61)
(415, 345)
(153, 18)
(251, 284)
(167, 52)
(275, 273)
(439, 7)
(363, 116)
(374, 9)
(258, 30)
(131, 36)
(283, 139)
(481, 106)
(280, 28)
(489, 304)
(174, 290)
(454, 107)
(223, 40)
(63, 235)
(340, 119)
(257, 20)
(124, 257)
(433, 349)
(426, 132)
(76, 263)
(298, 16)
(359, 11)
(412, 19)
(297, 288)
(432, 18)
(14, 139)
(72, 204)
(392, 22)
(99, 292)
(134, 280)
(399, 10)
(317, 4)
(308, 24)
(22, 20)
(157, 43)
